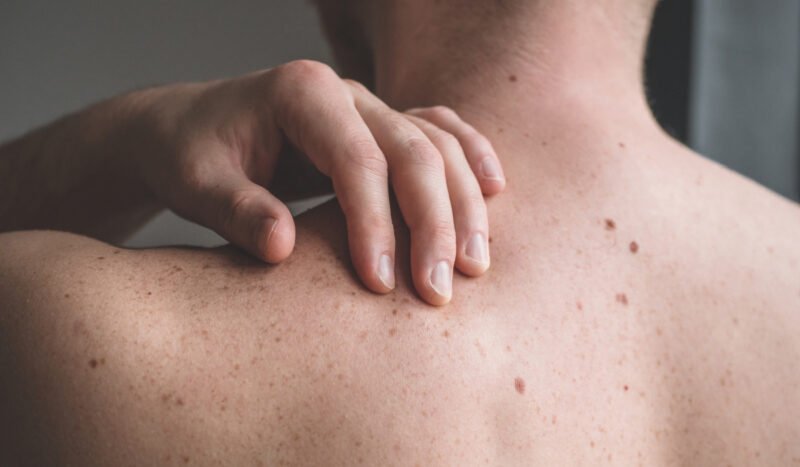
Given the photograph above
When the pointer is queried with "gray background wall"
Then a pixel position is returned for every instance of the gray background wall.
(57, 57)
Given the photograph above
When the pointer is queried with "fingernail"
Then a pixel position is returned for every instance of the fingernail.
(441, 280)
(477, 249)
(386, 271)
(490, 169)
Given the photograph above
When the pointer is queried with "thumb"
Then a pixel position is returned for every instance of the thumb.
(248, 216)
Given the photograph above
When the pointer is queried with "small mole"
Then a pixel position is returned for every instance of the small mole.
(93, 363)
(519, 385)
(66, 295)
(634, 247)
(179, 401)
(115, 252)
(149, 293)
(277, 339)
(103, 361)
(101, 257)
(622, 298)
(446, 333)
(610, 224)
(206, 266)
(490, 239)
(392, 332)
(394, 312)
(579, 305)
(513, 78)
(408, 315)
(625, 387)
(185, 459)
(554, 420)
(544, 144)
(622, 145)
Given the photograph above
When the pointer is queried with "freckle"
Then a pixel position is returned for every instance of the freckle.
(554, 420)
(93, 363)
(610, 224)
(408, 315)
(579, 305)
(622, 298)
(102, 361)
(625, 387)
(544, 144)
(66, 295)
(185, 459)
(621, 144)
(362, 335)
(591, 443)
(277, 339)
(512, 78)
(236, 367)
(519, 385)
(634, 247)
(446, 333)
(508, 348)
(500, 130)
(392, 332)
(101, 257)
(179, 401)
(394, 312)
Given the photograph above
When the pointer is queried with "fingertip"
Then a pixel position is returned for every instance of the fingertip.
(437, 289)
(473, 259)
(276, 239)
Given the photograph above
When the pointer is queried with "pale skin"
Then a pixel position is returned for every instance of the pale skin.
(643, 305)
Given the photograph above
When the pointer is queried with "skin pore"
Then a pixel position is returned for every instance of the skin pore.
(642, 306)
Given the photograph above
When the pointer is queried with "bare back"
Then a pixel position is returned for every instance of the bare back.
(645, 311)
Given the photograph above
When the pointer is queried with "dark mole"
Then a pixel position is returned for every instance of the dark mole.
(513, 78)
(490, 239)
(185, 459)
(625, 387)
(101, 257)
(66, 295)
(634, 247)
(519, 385)
(93, 363)
(394, 312)
(622, 298)
(610, 224)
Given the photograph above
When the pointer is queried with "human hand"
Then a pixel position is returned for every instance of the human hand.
(223, 140)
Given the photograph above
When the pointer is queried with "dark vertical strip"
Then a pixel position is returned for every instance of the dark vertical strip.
(668, 65)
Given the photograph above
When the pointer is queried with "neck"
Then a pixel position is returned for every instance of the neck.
(517, 80)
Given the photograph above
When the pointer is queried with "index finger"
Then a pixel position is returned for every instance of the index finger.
(315, 110)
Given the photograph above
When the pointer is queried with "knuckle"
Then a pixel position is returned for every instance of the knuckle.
(441, 112)
(356, 85)
(236, 204)
(305, 72)
(421, 152)
(364, 156)
(442, 231)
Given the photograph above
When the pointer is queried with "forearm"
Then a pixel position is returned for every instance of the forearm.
(79, 174)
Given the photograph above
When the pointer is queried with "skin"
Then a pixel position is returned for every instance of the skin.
(212, 152)
(642, 307)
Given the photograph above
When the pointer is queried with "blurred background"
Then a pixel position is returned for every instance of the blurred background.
(723, 75)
